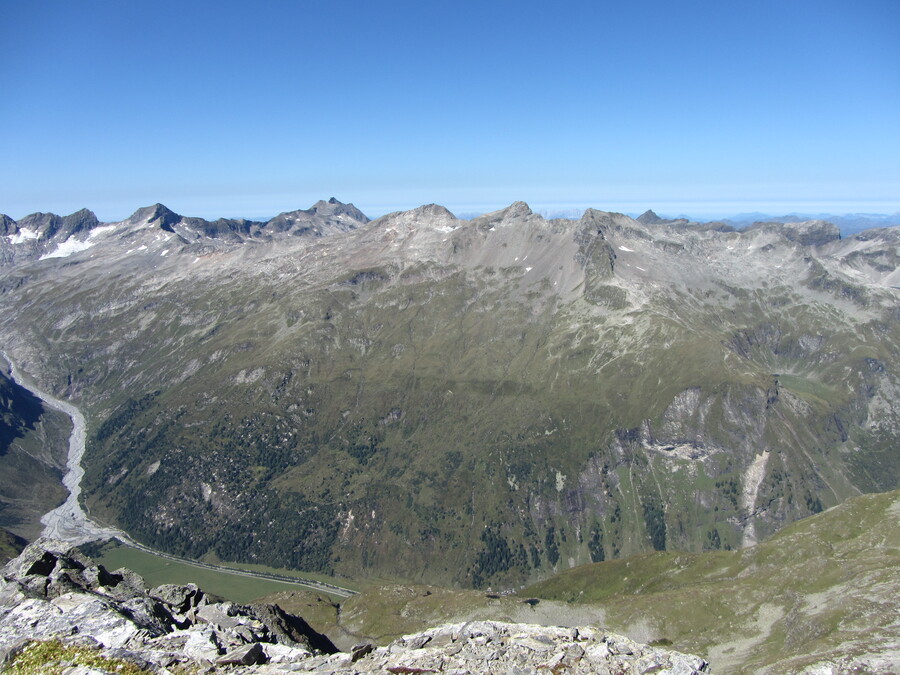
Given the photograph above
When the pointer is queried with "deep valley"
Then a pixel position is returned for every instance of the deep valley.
(480, 402)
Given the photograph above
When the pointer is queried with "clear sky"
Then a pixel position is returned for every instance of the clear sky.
(226, 108)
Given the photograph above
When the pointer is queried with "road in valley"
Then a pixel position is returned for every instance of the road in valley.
(70, 523)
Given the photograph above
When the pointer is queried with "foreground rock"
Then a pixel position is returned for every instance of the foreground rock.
(52, 591)
(516, 649)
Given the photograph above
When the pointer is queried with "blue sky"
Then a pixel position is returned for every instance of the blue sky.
(248, 109)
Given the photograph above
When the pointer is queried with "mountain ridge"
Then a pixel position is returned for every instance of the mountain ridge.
(36, 234)
(497, 398)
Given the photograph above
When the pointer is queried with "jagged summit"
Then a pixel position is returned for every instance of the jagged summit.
(157, 213)
(49, 225)
(334, 207)
(322, 219)
(517, 211)
(648, 217)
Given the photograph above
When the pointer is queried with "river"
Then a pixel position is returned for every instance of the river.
(70, 523)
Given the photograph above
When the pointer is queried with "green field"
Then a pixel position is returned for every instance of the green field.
(234, 587)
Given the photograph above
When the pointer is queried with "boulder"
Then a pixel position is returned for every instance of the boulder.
(247, 655)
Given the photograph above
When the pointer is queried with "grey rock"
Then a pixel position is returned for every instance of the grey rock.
(11, 594)
(180, 598)
(536, 643)
(419, 641)
(150, 614)
(129, 585)
(202, 645)
(291, 630)
(97, 576)
(39, 558)
(7, 225)
(87, 670)
(128, 656)
(361, 650)
(218, 616)
(247, 655)
(278, 653)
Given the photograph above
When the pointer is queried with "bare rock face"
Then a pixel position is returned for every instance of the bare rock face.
(7, 226)
(52, 591)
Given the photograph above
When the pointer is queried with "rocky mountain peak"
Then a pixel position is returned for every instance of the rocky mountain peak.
(517, 210)
(427, 218)
(159, 214)
(50, 225)
(79, 222)
(44, 224)
(606, 220)
(334, 207)
(434, 210)
(322, 219)
(433, 214)
(648, 217)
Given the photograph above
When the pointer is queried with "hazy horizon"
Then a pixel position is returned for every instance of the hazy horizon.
(226, 109)
(548, 210)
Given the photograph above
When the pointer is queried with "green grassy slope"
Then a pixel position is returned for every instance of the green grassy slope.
(824, 588)
(822, 591)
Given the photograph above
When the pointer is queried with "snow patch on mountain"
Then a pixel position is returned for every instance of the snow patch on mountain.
(72, 245)
(23, 235)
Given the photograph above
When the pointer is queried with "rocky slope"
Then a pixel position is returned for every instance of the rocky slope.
(477, 402)
(53, 592)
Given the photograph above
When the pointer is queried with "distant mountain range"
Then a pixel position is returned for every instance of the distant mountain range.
(47, 235)
(476, 402)
(848, 223)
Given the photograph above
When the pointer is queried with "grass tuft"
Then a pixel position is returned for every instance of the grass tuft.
(53, 658)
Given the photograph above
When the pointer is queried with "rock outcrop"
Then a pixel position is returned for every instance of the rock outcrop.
(53, 591)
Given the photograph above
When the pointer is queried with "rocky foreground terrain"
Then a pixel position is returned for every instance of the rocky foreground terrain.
(54, 592)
